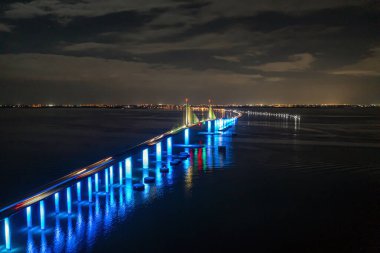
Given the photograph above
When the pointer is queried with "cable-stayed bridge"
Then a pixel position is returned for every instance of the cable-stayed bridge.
(85, 185)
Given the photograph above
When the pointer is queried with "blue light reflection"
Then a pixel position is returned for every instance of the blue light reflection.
(91, 220)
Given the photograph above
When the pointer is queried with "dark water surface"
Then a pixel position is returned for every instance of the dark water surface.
(276, 187)
(38, 146)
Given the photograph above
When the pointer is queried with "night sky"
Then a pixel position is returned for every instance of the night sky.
(161, 51)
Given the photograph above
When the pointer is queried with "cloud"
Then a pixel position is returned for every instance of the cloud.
(5, 28)
(79, 8)
(127, 81)
(249, 6)
(178, 46)
(145, 43)
(296, 62)
(228, 58)
(275, 79)
(369, 66)
(86, 46)
(49, 67)
(356, 73)
(35, 78)
(244, 8)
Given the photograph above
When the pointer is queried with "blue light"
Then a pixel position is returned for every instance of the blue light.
(7, 231)
(30, 243)
(158, 151)
(56, 202)
(158, 174)
(42, 214)
(43, 243)
(29, 216)
(78, 192)
(145, 158)
(169, 146)
(96, 182)
(209, 126)
(128, 194)
(89, 186)
(68, 196)
(111, 175)
(187, 136)
(128, 167)
(120, 173)
(106, 178)
(145, 172)
(58, 236)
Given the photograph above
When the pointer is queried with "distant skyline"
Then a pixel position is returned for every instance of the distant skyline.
(161, 51)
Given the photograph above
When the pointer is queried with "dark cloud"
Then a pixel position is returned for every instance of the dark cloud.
(259, 51)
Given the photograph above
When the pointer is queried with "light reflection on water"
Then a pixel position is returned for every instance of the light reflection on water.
(95, 217)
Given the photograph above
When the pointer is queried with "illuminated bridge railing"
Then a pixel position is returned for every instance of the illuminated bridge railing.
(99, 177)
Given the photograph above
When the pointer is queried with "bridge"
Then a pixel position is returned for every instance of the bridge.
(86, 184)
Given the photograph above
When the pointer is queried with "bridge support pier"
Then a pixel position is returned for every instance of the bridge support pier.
(106, 179)
(187, 136)
(68, 197)
(128, 168)
(42, 214)
(96, 182)
(56, 202)
(79, 197)
(145, 158)
(29, 216)
(111, 175)
(120, 173)
(158, 152)
(7, 231)
(169, 146)
(89, 186)
(145, 162)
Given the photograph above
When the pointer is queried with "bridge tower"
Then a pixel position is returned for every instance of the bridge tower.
(211, 114)
(187, 113)
(190, 118)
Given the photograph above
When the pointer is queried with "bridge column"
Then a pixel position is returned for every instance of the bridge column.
(111, 175)
(187, 136)
(128, 167)
(145, 162)
(42, 214)
(169, 146)
(29, 216)
(158, 152)
(106, 179)
(79, 197)
(89, 186)
(145, 158)
(7, 233)
(68, 198)
(96, 182)
(120, 173)
(56, 202)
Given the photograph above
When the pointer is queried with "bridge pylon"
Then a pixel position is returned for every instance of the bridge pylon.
(189, 116)
(211, 114)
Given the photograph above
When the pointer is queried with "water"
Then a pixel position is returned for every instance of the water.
(276, 187)
(39, 146)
